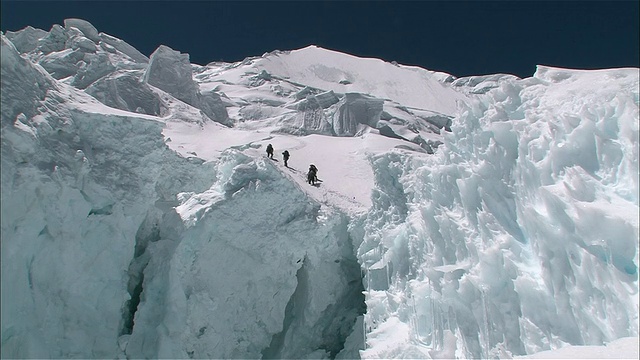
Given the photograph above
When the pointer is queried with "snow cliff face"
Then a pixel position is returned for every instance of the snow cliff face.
(247, 268)
(93, 234)
(73, 199)
(522, 234)
(141, 219)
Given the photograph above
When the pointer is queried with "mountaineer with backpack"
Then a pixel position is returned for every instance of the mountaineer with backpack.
(312, 175)
(285, 156)
(270, 151)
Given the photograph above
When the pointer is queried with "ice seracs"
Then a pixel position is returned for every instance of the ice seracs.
(124, 90)
(26, 39)
(169, 70)
(24, 87)
(480, 217)
(85, 27)
(512, 236)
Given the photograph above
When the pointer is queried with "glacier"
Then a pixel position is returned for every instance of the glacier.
(521, 235)
(478, 217)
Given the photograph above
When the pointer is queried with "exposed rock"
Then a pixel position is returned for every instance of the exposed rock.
(264, 75)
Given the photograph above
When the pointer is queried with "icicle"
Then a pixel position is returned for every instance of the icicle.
(607, 252)
(416, 323)
(386, 267)
(433, 323)
(364, 333)
(485, 312)
(465, 346)
(441, 328)
(414, 319)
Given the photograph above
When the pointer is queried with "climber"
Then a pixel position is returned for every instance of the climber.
(270, 151)
(312, 176)
(285, 156)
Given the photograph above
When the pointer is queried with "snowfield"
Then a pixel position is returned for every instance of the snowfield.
(479, 217)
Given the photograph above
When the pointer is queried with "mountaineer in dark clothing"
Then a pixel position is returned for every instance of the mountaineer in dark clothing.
(285, 156)
(312, 175)
(270, 151)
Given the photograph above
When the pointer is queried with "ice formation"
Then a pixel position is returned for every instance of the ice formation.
(170, 71)
(480, 217)
(522, 233)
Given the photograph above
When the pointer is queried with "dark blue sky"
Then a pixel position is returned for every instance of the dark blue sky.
(458, 37)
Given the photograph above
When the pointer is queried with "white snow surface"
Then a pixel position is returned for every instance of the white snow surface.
(623, 348)
(158, 228)
(325, 69)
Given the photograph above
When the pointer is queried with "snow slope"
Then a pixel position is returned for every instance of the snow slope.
(342, 73)
(479, 217)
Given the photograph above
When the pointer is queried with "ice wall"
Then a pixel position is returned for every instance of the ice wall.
(75, 190)
(354, 111)
(26, 39)
(258, 271)
(76, 185)
(22, 84)
(124, 90)
(114, 246)
(520, 235)
(170, 71)
(116, 73)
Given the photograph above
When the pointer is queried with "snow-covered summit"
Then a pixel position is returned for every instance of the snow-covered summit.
(480, 217)
(342, 73)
